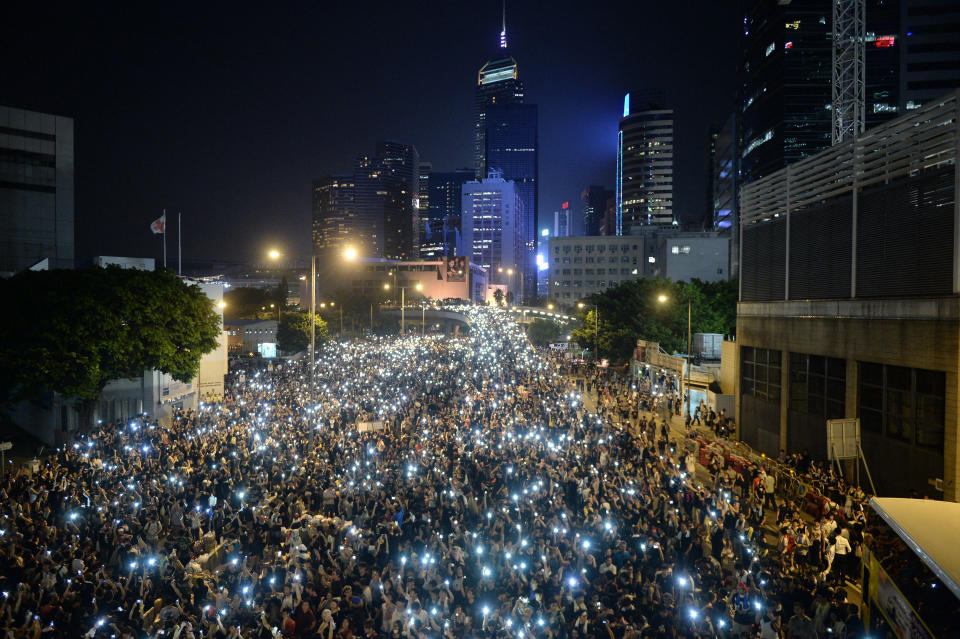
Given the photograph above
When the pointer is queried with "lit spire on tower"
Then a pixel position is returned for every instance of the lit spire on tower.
(503, 30)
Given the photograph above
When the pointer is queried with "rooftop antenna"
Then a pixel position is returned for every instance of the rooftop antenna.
(503, 30)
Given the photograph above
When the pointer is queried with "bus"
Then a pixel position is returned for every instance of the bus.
(911, 569)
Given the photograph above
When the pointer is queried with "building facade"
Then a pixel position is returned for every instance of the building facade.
(929, 48)
(498, 82)
(491, 216)
(850, 302)
(36, 190)
(443, 214)
(335, 223)
(375, 210)
(581, 266)
(511, 148)
(593, 202)
(452, 277)
(645, 157)
(786, 90)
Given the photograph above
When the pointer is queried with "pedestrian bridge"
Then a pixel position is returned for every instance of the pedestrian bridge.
(451, 322)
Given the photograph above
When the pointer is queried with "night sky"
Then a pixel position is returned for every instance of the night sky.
(228, 111)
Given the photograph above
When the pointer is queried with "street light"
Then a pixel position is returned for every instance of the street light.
(596, 329)
(550, 306)
(403, 299)
(663, 299)
(350, 254)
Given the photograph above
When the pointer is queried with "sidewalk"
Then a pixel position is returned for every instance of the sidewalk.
(679, 433)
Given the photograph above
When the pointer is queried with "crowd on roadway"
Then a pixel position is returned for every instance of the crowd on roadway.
(417, 488)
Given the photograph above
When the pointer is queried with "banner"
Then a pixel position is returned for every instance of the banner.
(369, 427)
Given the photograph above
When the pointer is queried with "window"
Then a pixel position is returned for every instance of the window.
(906, 404)
(818, 385)
(652, 259)
(760, 373)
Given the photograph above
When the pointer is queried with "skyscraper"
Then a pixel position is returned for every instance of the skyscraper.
(511, 149)
(443, 213)
(423, 204)
(644, 165)
(929, 50)
(786, 84)
(36, 190)
(594, 200)
(375, 210)
(498, 82)
(334, 217)
(490, 210)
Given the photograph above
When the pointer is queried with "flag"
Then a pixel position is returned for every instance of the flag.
(159, 225)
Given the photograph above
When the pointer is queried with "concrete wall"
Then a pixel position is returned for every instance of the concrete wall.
(922, 334)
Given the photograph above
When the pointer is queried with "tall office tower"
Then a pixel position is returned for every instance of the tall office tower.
(488, 225)
(929, 50)
(401, 177)
(594, 200)
(511, 149)
(725, 178)
(786, 88)
(882, 48)
(443, 214)
(566, 222)
(36, 190)
(335, 217)
(497, 83)
(725, 188)
(423, 204)
(644, 165)
(385, 199)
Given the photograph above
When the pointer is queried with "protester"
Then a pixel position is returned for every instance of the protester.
(416, 488)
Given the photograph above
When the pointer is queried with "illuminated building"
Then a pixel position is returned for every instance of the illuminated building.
(334, 215)
(443, 213)
(375, 210)
(489, 225)
(497, 83)
(644, 165)
(594, 199)
(511, 149)
(929, 47)
(725, 185)
(786, 89)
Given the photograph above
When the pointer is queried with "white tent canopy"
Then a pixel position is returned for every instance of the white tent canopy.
(931, 529)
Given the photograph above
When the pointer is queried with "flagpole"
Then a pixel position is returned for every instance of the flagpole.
(179, 245)
(164, 238)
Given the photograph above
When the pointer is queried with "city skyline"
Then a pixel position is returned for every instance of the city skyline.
(231, 120)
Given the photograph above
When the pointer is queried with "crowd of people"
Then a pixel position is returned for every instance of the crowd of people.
(409, 487)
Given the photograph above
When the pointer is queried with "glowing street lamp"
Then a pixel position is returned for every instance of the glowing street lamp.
(685, 378)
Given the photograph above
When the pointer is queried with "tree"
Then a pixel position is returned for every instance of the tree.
(76, 330)
(509, 297)
(293, 334)
(543, 331)
(633, 311)
(498, 296)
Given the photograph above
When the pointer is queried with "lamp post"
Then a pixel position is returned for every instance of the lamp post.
(349, 254)
(510, 272)
(403, 299)
(596, 329)
(663, 299)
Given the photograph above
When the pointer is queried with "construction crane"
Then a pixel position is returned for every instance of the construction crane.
(847, 109)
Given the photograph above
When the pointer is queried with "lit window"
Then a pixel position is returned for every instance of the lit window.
(770, 48)
(652, 259)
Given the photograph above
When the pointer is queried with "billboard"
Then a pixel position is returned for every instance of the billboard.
(457, 268)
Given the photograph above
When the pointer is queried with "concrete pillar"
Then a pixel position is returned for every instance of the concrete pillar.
(784, 396)
(951, 441)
